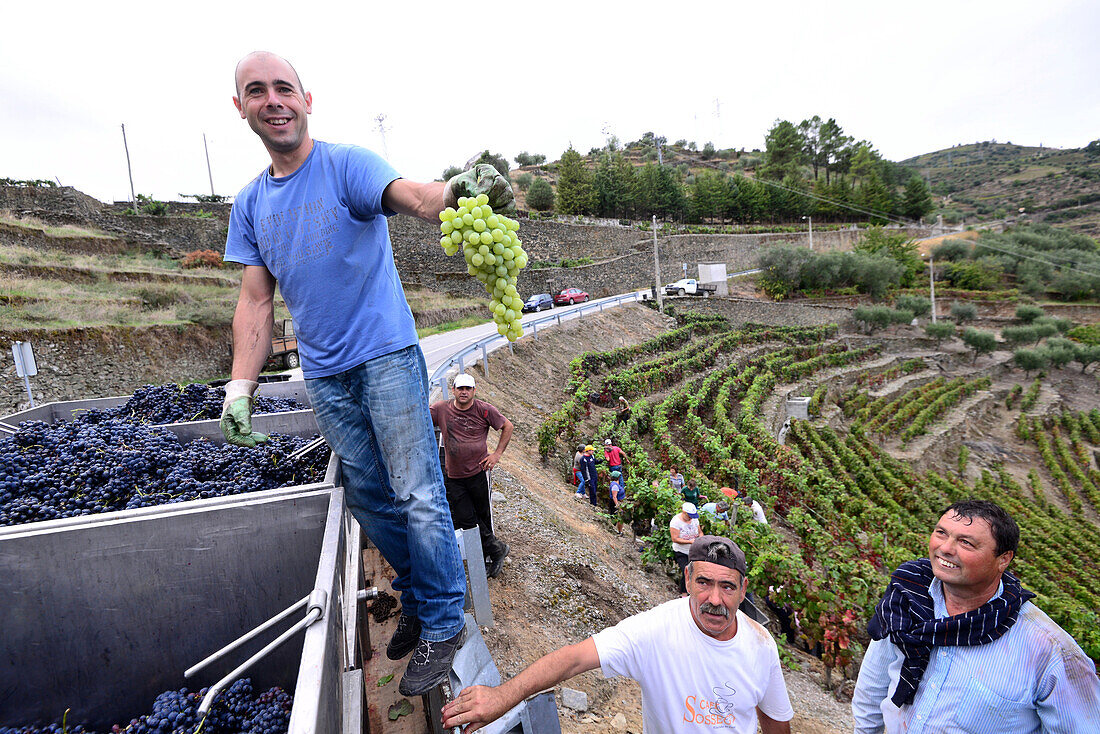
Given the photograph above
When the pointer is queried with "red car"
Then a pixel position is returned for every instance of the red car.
(569, 296)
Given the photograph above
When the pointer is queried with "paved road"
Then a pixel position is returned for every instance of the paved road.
(439, 349)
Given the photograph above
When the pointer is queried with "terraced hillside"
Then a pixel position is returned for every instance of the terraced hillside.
(991, 180)
(898, 430)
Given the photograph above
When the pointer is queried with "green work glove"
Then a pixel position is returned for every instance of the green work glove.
(236, 421)
(482, 179)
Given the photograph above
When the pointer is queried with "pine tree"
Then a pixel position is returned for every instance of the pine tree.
(612, 183)
(575, 192)
(917, 200)
(783, 153)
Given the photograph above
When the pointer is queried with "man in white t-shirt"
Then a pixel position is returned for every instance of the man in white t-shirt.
(684, 529)
(702, 665)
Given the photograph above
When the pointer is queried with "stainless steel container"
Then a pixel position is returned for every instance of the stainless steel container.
(103, 614)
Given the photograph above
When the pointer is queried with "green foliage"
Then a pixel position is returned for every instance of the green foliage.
(788, 269)
(1086, 354)
(1029, 360)
(1017, 335)
(917, 200)
(940, 330)
(614, 184)
(575, 192)
(150, 206)
(530, 159)
(783, 153)
(974, 275)
(495, 160)
(963, 312)
(207, 198)
(952, 249)
(964, 455)
(982, 342)
(919, 305)
(1086, 334)
(1061, 325)
(450, 172)
(1043, 329)
(874, 317)
(1059, 351)
(540, 196)
(524, 180)
(1027, 313)
(898, 246)
(1035, 254)
(36, 183)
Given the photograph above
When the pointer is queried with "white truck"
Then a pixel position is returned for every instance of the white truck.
(689, 287)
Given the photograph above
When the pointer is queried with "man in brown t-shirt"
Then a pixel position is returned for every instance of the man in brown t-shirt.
(464, 423)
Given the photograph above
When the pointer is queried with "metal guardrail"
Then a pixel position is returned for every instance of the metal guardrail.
(438, 378)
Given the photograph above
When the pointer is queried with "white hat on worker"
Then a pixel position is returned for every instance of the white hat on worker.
(464, 380)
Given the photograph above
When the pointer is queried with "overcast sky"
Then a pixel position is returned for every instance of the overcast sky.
(453, 79)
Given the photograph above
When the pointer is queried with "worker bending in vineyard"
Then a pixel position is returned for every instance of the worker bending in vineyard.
(703, 666)
(464, 424)
(958, 647)
(314, 222)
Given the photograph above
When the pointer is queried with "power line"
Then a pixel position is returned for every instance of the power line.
(809, 195)
(883, 215)
(1072, 268)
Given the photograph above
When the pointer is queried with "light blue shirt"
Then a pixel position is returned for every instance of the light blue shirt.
(1034, 678)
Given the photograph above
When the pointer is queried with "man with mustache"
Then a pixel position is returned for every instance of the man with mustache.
(958, 647)
(703, 665)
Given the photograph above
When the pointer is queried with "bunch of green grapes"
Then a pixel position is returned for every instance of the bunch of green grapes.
(494, 255)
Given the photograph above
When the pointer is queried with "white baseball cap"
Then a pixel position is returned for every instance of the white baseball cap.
(464, 380)
(607, 442)
(689, 509)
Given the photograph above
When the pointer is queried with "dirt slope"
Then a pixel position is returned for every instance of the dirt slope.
(569, 575)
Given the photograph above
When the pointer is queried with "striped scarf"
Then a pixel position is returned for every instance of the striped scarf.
(907, 616)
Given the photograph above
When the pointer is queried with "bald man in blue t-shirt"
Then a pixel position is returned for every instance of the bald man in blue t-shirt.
(314, 222)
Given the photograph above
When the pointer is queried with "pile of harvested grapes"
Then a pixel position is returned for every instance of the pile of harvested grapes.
(237, 710)
(107, 460)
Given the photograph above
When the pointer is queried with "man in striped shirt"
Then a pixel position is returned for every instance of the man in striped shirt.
(957, 647)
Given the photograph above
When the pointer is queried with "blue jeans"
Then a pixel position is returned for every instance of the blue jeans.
(375, 417)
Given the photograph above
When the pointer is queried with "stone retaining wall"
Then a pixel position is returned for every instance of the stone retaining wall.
(76, 364)
(741, 310)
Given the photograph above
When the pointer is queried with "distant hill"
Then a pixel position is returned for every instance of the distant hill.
(991, 180)
(970, 183)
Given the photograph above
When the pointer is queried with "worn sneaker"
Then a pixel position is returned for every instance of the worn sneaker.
(498, 563)
(404, 637)
(430, 665)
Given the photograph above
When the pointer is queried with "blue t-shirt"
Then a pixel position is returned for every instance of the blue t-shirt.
(321, 231)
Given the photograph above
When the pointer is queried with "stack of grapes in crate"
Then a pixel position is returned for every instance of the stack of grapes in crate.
(116, 459)
(238, 710)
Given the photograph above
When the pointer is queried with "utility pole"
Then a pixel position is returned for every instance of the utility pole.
(129, 171)
(657, 268)
(932, 282)
(381, 120)
(209, 172)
